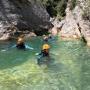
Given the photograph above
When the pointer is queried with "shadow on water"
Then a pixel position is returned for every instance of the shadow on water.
(51, 64)
(11, 59)
(45, 61)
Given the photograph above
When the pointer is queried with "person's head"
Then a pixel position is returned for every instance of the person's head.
(45, 46)
(44, 36)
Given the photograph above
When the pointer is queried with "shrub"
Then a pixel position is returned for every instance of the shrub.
(55, 7)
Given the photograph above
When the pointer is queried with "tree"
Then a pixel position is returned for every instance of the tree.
(55, 7)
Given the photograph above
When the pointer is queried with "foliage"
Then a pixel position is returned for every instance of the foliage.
(86, 9)
(73, 4)
(55, 7)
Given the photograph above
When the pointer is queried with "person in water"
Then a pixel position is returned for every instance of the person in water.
(44, 53)
(45, 38)
(45, 50)
(20, 42)
(48, 37)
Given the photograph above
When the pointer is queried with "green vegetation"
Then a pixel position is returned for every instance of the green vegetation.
(86, 14)
(55, 7)
(73, 4)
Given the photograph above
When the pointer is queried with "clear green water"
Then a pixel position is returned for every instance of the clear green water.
(69, 68)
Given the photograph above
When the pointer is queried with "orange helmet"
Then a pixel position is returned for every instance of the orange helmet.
(45, 46)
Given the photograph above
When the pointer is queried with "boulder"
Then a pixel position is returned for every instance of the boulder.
(84, 24)
(24, 15)
(5, 37)
(70, 29)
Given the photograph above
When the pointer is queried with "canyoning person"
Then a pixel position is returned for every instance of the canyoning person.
(45, 50)
(45, 38)
(44, 54)
(20, 42)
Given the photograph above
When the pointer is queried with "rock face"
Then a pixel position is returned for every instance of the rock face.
(77, 22)
(82, 16)
(70, 28)
(24, 14)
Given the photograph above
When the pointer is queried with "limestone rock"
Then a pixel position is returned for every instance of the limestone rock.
(84, 24)
(24, 14)
(77, 21)
(29, 35)
(54, 31)
(5, 36)
(70, 28)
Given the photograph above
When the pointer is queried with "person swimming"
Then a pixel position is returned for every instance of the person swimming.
(48, 38)
(20, 42)
(45, 50)
(44, 53)
(45, 38)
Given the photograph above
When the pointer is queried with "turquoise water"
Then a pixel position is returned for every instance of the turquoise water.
(68, 69)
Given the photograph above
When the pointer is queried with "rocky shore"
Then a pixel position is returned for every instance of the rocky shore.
(74, 26)
(30, 17)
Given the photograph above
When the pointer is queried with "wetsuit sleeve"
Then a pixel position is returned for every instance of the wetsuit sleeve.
(41, 52)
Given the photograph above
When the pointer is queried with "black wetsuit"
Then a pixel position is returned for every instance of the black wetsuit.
(44, 53)
(20, 46)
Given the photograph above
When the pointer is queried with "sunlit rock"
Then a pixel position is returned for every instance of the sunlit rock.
(5, 36)
(84, 24)
(70, 27)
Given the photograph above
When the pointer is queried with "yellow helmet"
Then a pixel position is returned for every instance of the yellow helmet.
(45, 46)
